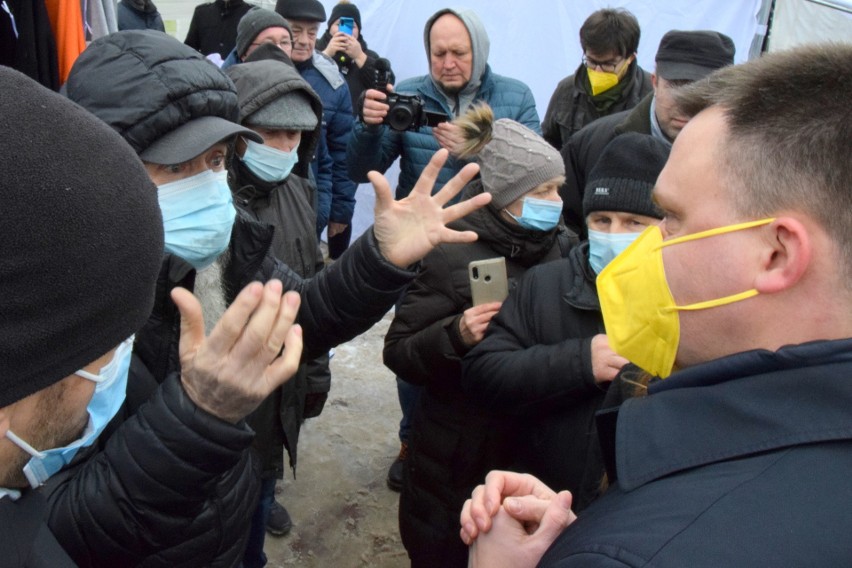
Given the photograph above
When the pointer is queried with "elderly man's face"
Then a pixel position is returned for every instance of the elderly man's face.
(212, 159)
(450, 53)
(304, 39)
(670, 118)
(694, 197)
(275, 35)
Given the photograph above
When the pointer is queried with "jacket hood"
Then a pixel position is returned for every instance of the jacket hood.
(480, 46)
(156, 84)
(261, 82)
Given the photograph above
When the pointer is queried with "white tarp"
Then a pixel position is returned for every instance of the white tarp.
(808, 21)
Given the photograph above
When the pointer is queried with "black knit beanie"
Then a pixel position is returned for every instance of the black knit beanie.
(81, 240)
(625, 174)
(255, 21)
(345, 10)
(302, 10)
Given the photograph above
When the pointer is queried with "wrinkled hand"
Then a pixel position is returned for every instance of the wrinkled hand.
(475, 320)
(408, 229)
(501, 488)
(335, 228)
(375, 108)
(522, 530)
(449, 136)
(229, 373)
(606, 363)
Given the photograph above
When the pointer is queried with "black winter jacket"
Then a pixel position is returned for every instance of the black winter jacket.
(571, 106)
(193, 507)
(535, 362)
(213, 28)
(455, 442)
(26, 540)
(583, 148)
(741, 461)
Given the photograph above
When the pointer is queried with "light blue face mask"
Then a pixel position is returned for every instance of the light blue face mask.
(539, 214)
(198, 215)
(603, 247)
(110, 390)
(268, 163)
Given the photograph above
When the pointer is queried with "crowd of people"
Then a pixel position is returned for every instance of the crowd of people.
(663, 385)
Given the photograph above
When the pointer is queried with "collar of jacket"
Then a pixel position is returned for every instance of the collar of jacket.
(325, 67)
(638, 119)
(428, 90)
(757, 400)
(582, 295)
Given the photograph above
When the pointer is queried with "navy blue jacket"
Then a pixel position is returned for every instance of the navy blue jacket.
(742, 461)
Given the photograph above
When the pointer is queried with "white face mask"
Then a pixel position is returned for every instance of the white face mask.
(110, 390)
(268, 163)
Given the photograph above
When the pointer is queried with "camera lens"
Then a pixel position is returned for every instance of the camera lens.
(400, 117)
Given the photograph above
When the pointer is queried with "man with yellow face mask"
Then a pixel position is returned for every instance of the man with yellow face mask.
(741, 455)
(682, 58)
(609, 80)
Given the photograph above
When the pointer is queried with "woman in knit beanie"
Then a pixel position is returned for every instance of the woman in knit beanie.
(454, 440)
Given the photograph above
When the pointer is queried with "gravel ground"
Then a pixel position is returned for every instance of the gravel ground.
(343, 513)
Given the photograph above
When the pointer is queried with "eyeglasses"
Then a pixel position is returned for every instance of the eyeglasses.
(605, 66)
(284, 44)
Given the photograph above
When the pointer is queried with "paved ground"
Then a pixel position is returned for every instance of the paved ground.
(343, 513)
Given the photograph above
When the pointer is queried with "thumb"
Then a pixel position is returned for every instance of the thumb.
(556, 518)
(191, 321)
(382, 189)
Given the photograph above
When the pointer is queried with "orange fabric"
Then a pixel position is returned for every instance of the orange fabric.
(66, 19)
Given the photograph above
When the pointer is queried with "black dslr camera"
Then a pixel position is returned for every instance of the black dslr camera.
(406, 112)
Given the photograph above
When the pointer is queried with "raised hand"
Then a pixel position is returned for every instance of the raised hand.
(408, 229)
(229, 373)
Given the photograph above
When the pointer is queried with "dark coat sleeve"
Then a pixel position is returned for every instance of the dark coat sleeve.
(322, 168)
(142, 496)
(514, 368)
(346, 298)
(338, 130)
(423, 344)
(371, 147)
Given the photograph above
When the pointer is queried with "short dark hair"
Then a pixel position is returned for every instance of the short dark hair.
(788, 117)
(610, 30)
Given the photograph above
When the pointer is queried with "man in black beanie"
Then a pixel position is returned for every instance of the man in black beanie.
(79, 255)
(178, 113)
(682, 58)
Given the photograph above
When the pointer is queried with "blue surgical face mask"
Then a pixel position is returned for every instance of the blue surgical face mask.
(198, 215)
(603, 247)
(539, 214)
(268, 163)
(110, 390)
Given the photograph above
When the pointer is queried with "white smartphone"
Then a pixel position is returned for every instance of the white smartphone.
(488, 281)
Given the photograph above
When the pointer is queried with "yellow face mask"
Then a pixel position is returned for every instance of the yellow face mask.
(601, 81)
(639, 311)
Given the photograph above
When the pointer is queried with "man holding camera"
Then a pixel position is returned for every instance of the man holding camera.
(457, 46)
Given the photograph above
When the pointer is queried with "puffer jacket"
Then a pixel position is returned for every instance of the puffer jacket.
(139, 15)
(212, 496)
(455, 441)
(572, 106)
(535, 362)
(287, 208)
(376, 147)
(322, 74)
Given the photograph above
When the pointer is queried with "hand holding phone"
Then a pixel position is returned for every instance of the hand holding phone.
(488, 281)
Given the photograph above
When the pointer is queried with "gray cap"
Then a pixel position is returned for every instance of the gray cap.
(291, 111)
(255, 21)
(692, 55)
(192, 139)
(515, 161)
